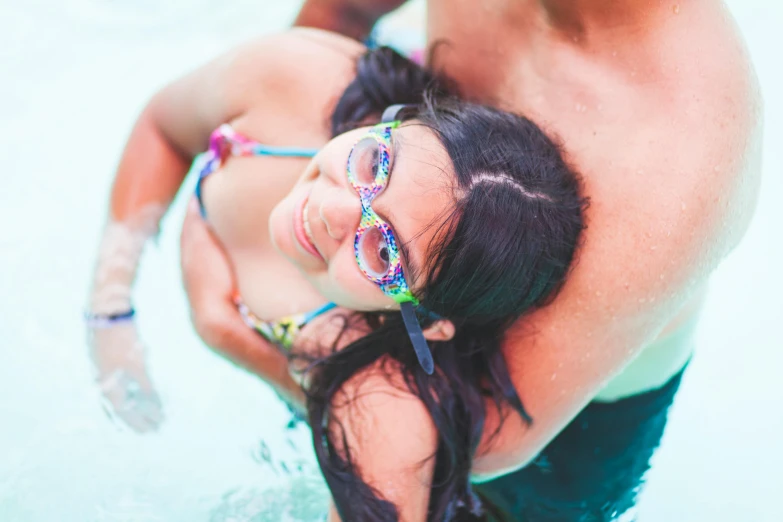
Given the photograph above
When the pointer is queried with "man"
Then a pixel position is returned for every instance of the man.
(657, 107)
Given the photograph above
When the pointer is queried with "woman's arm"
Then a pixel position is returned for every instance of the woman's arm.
(173, 127)
(209, 283)
(152, 167)
(176, 123)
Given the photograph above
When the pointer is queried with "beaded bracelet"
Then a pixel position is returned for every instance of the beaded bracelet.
(108, 320)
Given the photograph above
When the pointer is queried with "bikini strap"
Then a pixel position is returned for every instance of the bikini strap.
(283, 331)
(226, 141)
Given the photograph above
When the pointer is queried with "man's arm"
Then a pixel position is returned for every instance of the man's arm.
(354, 18)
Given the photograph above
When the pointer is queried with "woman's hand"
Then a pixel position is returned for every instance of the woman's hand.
(122, 377)
(114, 345)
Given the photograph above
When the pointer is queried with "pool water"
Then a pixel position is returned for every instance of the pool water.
(75, 75)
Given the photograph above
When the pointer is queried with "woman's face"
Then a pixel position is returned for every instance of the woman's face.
(315, 226)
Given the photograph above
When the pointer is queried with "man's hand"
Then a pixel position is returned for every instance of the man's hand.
(353, 18)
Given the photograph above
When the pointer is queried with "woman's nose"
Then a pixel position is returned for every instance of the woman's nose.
(341, 211)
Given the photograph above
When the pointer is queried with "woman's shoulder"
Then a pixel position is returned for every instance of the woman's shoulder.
(294, 58)
(324, 40)
(301, 72)
(302, 44)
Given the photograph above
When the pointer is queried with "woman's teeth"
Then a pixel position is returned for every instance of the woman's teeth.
(306, 225)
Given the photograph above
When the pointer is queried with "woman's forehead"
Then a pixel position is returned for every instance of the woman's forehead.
(418, 152)
(420, 192)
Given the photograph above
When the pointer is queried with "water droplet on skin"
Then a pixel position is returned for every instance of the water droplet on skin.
(614, 53)
(598, 293)
(654, 247)
(676, 9)
(554, 376)
(683, 205)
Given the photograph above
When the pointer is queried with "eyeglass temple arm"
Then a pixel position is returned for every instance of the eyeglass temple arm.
(391, 112)
(416, 335)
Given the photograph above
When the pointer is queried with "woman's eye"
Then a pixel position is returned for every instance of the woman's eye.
(374, 256)
(374, 166)
(364, 161)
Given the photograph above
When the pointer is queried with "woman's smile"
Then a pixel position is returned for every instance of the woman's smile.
(302, 230)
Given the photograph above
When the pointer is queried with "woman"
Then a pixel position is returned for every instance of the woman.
(440, 226)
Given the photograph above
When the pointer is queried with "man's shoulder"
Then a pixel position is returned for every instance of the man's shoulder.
(671, 169)
(709, 104)
(703, 152)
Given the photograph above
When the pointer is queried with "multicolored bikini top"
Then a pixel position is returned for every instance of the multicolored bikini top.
(224, 143)
(282, 332)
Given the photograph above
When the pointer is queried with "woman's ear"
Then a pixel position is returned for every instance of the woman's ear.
(440, 330)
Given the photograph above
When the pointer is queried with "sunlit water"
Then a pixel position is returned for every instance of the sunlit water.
(74, 76)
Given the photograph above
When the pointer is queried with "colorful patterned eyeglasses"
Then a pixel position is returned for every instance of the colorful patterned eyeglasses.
(377, 250)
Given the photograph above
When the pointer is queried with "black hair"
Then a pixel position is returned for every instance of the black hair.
(505, 251)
